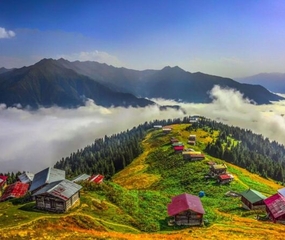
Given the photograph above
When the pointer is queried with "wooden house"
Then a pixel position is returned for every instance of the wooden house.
(15, 190)
(186, 209)
(178, 148)
(252, 200)
(3, 182)
(193, 156)
(157, 126)
(218, 169)
(82, 177)
(174, 140)
(225, 178)
(177, 144)
(57, 196)
(96, 178)
(275, 207)
(45, 177)
(26, 177)
(192, 139)
(166, 130)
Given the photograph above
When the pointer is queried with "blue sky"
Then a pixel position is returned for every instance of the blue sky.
(228, 38)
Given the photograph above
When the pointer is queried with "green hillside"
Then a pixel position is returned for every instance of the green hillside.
(133, 204)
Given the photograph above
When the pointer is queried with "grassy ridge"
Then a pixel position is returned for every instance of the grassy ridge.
(136, 199)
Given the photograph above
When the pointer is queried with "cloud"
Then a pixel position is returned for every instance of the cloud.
(98, 56)
(34, 140)
(6, 33)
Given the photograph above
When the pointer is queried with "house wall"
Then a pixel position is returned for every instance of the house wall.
(188, 218)
(50, 203)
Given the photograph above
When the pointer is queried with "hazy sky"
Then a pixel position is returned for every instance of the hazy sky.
(227, 38)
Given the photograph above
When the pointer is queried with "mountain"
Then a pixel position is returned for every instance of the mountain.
(169, 82)
(3, 70)
(47, 83)
(275, 82)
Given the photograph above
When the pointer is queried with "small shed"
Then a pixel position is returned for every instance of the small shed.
(178, 148)
(252, 199)
(57, 196)
(45, 177)
(193, 155)
(81, 177)
(15, 190)
(96, 178)
(177, 144)
(192, 139)
(186, 209)
(166, 130)
(275, 207)
(26, 177)
(174, 140)
(225, 178)
(218, 169)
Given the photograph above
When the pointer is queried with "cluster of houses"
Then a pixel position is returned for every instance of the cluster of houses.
(49, 188)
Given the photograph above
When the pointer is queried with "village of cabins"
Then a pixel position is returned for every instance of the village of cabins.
(52, 192)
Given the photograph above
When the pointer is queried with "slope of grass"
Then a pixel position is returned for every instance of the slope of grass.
(134, 204)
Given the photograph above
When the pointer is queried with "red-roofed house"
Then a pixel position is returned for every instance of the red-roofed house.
(186, 209)
(225, 178)
(96, 178)
(178, 148)
(3, 182)
(15, 190)
(275, 207)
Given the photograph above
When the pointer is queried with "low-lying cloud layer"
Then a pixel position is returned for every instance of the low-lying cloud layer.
(31, 141)
(6, 33)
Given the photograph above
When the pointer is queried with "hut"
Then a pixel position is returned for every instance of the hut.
(190, 155)
(218, 169)
(192, 139)
(178, 148)
(15, 190)
(225, 178)
(252, 199)
(58, 196)
(45, 177)
(81, 177)
(96, 178)
(275, 207)
(166, 130)
(186, 209)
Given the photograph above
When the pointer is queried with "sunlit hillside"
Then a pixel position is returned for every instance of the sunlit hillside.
(133, 204)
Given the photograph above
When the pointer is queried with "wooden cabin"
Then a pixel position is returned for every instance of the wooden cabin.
(177, 144)
(57, 196)
(192, 140)
(225, 178)
(45, 177)
(275, 207)
(166, 130)
(218, 169)
(193, 156)
(174, 140)
(15, 190)
(178, 148)
(186, 209)
(82, 177)
(252, 200)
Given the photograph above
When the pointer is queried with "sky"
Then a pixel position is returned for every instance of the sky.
(234, 38)
(33, 140)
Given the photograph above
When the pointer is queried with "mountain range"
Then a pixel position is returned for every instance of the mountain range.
(63, 83)
(275, 82)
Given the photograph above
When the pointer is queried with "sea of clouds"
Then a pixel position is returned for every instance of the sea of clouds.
(33, 140)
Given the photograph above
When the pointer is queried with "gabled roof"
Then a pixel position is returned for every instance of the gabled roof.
(63, 189)
(177, 144)
(96, 178)
(252, 196)
(282, 191)
(219, 166)
(47, 175)
(3, 180)
(225, 176)
(178, 148)
(15, 190)
(26, 177)
(81, 177)
(184, 202)
(276, 205)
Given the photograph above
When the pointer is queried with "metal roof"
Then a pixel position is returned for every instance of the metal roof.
(81, 177)
(47, 175)
(276, 205)
(252, 196)
(63, 189)
(26, 177)
(282, 191)
(184, 202)
(219, 166)
(15, 190)
(96, 178)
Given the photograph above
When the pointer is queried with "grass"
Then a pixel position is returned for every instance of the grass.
(134, 204)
